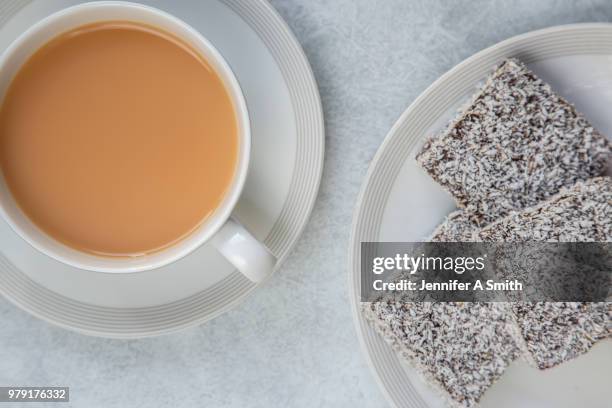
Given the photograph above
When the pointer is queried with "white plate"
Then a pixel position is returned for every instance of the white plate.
(286, 166)
(399, 202)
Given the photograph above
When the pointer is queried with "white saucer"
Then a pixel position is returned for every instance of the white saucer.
(399, 202)
(287, 161)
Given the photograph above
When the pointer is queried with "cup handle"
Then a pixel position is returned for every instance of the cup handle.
(243, 251)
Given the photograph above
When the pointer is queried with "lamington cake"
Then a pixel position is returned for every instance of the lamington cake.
(581, 213)
(460, 348)
(554, 332)
(516, 144)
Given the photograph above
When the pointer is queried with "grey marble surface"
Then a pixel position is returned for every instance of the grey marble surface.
(292, 343)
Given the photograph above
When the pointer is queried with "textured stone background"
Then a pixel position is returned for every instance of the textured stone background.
(292, 343)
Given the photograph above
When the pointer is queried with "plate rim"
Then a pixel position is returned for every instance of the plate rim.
(393, 134)
(296, 71)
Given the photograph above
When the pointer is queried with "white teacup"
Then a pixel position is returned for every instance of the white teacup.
(232, 240)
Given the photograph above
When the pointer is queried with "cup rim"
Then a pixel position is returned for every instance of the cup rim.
(222, 213)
